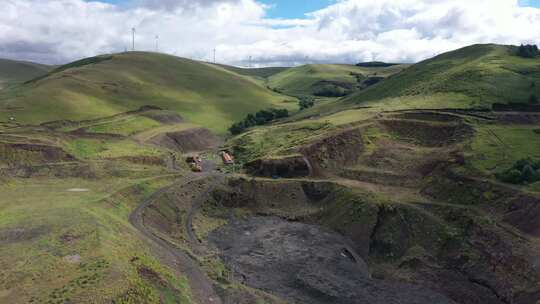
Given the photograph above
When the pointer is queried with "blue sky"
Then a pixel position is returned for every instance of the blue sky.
(291, 9)
(283, 9)
(534, 3)
(294, 8)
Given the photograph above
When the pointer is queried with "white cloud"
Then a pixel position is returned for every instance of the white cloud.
(56, 31)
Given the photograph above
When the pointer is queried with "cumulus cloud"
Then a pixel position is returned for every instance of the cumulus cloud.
(176, 4)
(57, 31)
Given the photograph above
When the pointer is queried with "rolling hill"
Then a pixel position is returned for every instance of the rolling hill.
(481, 74)
(393, 194)
(308, 79)
(106, 85)
(15, 72)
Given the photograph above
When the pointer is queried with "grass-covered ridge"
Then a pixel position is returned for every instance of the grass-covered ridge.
(307, 79)
(14, 72)
(202, 93)
(486, 74)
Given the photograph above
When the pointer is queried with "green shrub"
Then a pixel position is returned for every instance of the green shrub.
(305, 103)
(528, 51)
(524, 171)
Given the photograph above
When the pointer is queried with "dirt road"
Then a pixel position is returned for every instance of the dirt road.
(171, 256)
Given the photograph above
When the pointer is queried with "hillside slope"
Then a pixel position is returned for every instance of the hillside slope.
(483, 74)
(106, 85)
(258, 73)
(307, 79)
(14, 72)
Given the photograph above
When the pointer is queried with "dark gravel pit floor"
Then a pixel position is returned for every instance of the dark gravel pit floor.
(306, 264)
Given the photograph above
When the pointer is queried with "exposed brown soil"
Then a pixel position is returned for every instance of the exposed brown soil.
(152, 276)
(164, 117)
(17, 154)
(192, 140)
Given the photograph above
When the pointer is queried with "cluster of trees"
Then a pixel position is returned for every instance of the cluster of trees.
(260, 118)
(306, 102)
(375, 64)
(528, 51)
(331, 90)
(525, 171)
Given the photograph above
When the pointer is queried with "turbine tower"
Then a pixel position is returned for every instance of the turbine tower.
(133, 39)
(157, 43)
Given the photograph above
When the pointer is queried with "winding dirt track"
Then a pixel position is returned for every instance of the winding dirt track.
(200, 284)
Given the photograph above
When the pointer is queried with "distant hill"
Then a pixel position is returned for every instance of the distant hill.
(203, 93)
(308, 79)
(482, 74)
(262, 73)
(15, 72)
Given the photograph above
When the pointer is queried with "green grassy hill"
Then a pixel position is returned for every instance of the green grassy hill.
(481, 74)
(307, 79)
(259, 73)
(102, 86)
(14, 72)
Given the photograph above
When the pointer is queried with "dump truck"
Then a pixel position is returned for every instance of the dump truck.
(195, 163)
(195, 167)
(227, 158)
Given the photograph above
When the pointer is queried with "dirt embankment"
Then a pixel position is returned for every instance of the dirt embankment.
(404, 151)
(428, 134)
(519, 209)
(288, 167)
(316, 159)
(14, 155)
(335, 151)
(192, 140)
